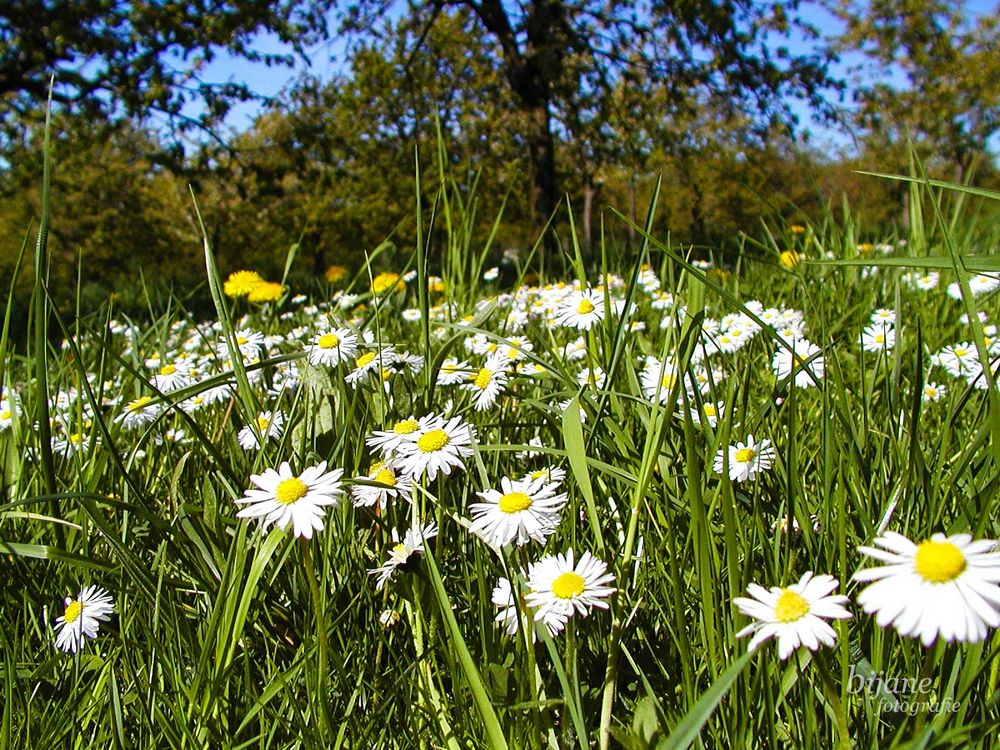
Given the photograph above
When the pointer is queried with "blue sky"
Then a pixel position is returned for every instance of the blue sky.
(327, 61)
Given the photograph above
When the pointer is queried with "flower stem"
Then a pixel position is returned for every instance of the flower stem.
(323, 646)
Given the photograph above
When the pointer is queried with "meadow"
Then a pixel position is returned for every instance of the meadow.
(454, 497)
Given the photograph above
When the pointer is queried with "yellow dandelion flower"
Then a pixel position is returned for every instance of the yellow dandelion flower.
(241, 283)
(388, 282)
(334, 274)
(266, 291)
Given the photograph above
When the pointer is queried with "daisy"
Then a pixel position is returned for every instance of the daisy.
(395, 486)
(440, 446)
(959, 359)
(388, 441)
(248, 341)
(487, 383)
(794, 615)
(452, 372)
(137, 413)
(805, 358)
(505, 600)
(746, 460)
(269, 426)
(581, 310)
(558, 589)
(331, 348)
(709, 411)
(658, 380)
(933, 392)
(943, 586)
(73, 442)
(550, 474)
(884, 317)
(878, 338)
(172, 377)
(518, 512)
(82, 617)
(403, 554)
(284, 498)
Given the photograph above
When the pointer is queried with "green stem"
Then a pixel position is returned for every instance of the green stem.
(322, 691)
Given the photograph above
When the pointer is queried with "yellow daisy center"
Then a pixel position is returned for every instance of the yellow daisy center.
(290, 490)
(5, 414)
(405, 427)
(139, 403)
(449, 368)
(710, 410)
(399, 551)
(539, 473)
(744, 455)
(168, 370)
(668, 380)
(514, 502)
(790, 607)
(568, 585)
(364, 359)
(73, 610)
(433, 441)
(585, 307)
(241, 340)
(263, 423)
(482, 378)
(328, 341)
(960, 352)
(76, 438)
(386, 477)
(939, 562)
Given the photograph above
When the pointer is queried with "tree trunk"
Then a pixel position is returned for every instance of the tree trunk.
(541, 152)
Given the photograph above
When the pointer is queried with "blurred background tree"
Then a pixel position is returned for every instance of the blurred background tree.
(550, 99)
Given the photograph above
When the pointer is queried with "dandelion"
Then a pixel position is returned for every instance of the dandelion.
(82, 618)
(789, 259)
(241, 283)
(746, 460)
(518, 512)
(404, 554)
(333, 274)
(943, 586)
(283, 498)
(266, 291)
(795, 615)
(387, 282)
(560, 589)
(440, 445)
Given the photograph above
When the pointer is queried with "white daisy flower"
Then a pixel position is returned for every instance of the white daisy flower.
(505, 600)
(172, 377)
(658, 380)
(746, 460)
(387, 442)
(794, 615)
(403, 553)
(82, 618)
(518, 512)
(944, 586)
(878, 338)
(550, 474)
(269, 426)
(558, 589)
(488, 382)
(248, 341)
(804, 358)
(440, 446)
(283, 498)
(453, 371)
(581, 310)
(365, 495)
(710, 412)
(138, 412)
(960, 359)
(883, 317)
(933, 392)
(330, 348)
(71, 442)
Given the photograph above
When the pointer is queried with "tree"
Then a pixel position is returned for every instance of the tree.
(937, 81)
(578, 51)
(132, 58)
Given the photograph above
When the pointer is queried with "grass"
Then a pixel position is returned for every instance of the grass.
(227, 635)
